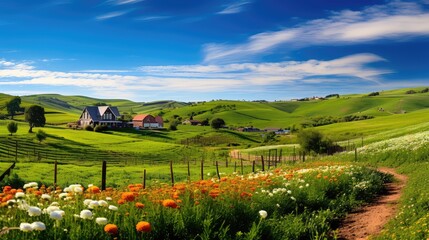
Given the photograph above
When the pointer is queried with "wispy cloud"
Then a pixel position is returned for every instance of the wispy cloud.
(152, 18)
(234, 7)
(122, 2)
(104, 71)
(199, 78)
(110, 15)
(395, 20)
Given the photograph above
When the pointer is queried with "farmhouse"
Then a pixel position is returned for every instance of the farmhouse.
(148, 121)
(100, 115)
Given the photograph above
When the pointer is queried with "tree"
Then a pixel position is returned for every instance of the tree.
(12, 127)
(217, 123)
(35, 116)
(173, 124)
(312, 140)
(12, 106)
(41, 135)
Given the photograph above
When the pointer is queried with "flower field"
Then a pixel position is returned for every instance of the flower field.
(285, 203)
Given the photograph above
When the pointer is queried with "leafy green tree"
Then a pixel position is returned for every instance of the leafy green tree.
(312, 140)
(173, 124)
(269, 137)
(217, 123)
(12, 127)
(12, 106)
(41, 136)
(35, 116)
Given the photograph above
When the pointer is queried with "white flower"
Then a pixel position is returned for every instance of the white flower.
(11, 202)
(63, 195)
(46, 196)
(289, 192)
(263, 213)
(51, 209)
(87, 201)
(103, 203)
(101, 221)
(90, 185)
(108, 199)
(113, 208)
(19, 195)
(93, 204)
(39, 226)
(34, 211)
(293, 198)
(54, 204)
(56, 215)
(25, 227)
(86, 214)
(31, 185)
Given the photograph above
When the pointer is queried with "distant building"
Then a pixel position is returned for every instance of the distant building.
(100, 115)
(147, 121)
(248, 129)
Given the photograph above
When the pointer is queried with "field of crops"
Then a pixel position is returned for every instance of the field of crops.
(291, 203)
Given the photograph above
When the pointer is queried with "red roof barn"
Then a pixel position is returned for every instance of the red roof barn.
(147, 121)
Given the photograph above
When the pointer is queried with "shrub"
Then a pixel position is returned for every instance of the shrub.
(12, 127)
(312, 140)
(41, 135)
(373, 94)
(425, 90)
(410, 92)
(100, 128)
(217, 123)
(89, 128)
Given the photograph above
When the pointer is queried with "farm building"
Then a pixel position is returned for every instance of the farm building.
(148, 121)
(100, 115)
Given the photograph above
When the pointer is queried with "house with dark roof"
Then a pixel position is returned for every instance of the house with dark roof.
(147, 121)
(100, 115)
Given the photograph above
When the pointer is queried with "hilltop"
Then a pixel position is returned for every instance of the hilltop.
(261, 114)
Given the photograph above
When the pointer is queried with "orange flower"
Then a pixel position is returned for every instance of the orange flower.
(169, 203)
(7, 189)
(128, 196)
(94, 189)
(143, 226)
(121, 201)
(111, 229)
(214, 193)
(139, 205)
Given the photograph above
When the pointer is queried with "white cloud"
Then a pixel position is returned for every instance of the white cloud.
(197, 78)
(395, 20)
(234, 8)
(111, 15)
(122, 2)
(152, 18)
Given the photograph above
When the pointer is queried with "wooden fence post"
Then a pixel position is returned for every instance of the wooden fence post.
(263, 163)
(242, 169)
(16, 150)
(356, 154)
(103, 176)
(144, 178)
(55, 173)
(253, 166)
(189, 172)
(171, 173)
(217, 170)
(202, 170)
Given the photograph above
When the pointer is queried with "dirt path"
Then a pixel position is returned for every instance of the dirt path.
(370, 219)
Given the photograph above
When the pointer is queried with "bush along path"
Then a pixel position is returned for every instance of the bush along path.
(369, 220)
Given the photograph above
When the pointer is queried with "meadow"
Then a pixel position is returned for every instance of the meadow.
(397, 136)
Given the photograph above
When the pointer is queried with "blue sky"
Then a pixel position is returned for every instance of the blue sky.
(147, 50)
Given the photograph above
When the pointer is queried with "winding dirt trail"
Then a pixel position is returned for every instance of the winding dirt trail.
(370, 219)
